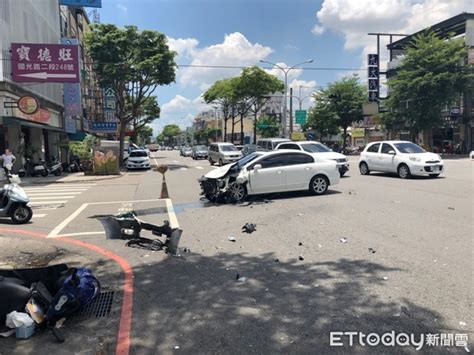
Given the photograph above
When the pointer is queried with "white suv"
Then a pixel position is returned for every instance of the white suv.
(223, 153)
(319, 150)
(401, 157)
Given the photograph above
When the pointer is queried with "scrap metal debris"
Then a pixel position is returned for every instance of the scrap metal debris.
(343, 240)
(371, 250)
(239, 278)
(249, 228)
(231, 239)
(451, 208)
(301, 257)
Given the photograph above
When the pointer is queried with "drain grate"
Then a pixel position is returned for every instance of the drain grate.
(100, 307)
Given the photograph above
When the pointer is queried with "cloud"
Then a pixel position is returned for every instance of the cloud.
(292, 74)
(122, 7)
(185, 47)
(318, 30)
(236, 49)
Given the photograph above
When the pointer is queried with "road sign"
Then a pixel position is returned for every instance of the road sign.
(44, 62)
(104, 127)
(300, 117)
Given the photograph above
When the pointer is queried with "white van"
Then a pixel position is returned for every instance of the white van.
(269, 144)
(223, 153)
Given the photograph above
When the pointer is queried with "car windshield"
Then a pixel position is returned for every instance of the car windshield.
(409, 148)
(201, 147)
(138, 153)
(247, 159)
(315, 148)
(228, 148)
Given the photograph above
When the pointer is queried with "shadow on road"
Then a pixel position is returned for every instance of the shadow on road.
(195, 302)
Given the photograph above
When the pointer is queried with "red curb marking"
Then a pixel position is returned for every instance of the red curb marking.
(125, 326)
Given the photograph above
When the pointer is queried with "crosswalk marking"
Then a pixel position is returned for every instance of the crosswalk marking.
(53, 193)
(39, 215)
(34, 203)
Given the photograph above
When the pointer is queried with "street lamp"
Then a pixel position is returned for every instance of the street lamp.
(286, 71)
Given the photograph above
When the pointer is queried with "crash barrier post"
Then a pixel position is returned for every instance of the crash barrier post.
(164, 188)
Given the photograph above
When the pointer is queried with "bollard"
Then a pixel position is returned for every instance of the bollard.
(164, 188)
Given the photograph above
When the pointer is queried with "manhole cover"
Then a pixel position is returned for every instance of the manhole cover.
(100, 307)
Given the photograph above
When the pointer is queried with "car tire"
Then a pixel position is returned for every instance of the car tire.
(319, 185)
(21, 214)
(211, 162)
(237, 192)
(403, 171)
(364, 168)
(342, 173)
(220, 162)
(434, 175)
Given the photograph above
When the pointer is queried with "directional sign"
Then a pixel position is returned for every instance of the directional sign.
(104, 127)
(85, 3)
(44, 62)
(300, 116)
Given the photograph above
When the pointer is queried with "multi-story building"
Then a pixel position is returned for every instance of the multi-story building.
(458, 120)
(38, 134)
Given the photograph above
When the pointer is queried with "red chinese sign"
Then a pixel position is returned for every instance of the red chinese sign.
(41, 62)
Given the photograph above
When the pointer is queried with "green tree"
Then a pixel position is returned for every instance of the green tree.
(144, 135)
(147, 113)
(253, 89)
(267, 127)
(169, 134)
(322, 119)
(431, 76)
(343, 100)
(133, 64)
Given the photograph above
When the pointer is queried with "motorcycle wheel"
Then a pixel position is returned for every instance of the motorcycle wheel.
(44, 173)
(21, 214)
(57, 172)
(22, 174)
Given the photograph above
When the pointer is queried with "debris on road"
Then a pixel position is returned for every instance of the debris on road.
(385, 278)
(239, 278)
(249, 228)
(276, 260)
(343, 240)
(176, 347)
(300, 244)
(231, 239)
(300, 214)
(451, 208)
(371, 250)
(301, 257)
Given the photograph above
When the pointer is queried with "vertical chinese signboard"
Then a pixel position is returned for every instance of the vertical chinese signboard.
(43, 62)
(373, 77)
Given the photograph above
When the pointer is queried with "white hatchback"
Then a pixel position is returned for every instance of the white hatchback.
(401, 157)
(138, 159)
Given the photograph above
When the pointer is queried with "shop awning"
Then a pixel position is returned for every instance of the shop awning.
(11, 121)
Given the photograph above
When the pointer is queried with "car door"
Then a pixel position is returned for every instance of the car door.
(372, 156)
(299, 171)
(386, 161)
(271, 177)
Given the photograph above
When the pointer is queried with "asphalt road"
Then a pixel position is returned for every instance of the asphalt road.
(406, 266)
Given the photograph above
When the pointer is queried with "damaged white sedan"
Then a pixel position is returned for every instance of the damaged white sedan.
(275, 171)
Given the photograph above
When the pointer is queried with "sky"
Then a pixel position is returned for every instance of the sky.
(241, 32)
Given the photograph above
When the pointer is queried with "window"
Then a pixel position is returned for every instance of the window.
(228, 148)
(295, 159)
(386, 148)
(289, 146)
(138, 153)
(273, 162)
(409, 148)
(315, 148)
(374, 148)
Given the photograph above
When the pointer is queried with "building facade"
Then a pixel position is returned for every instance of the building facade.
(456, 133)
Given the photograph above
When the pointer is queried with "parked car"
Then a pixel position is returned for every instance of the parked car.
(138, 159)
(200, 152)
(223, 153)
(249, 148)
(320, 150)
(269, 144)
(153, 147)
(401, 157)
(277, 171)
(186, 151)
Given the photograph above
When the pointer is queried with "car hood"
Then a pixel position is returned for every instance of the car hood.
(138, 159)
(201, 151)
(329, 155)
(219, 172)
(424, 156)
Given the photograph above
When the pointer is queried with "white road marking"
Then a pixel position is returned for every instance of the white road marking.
(39, 215)
(44, 197)
(45, 202)
(183, 168)
(171, 213)
(55, 232)
(81, 233)
(114, 202)
(54, 193)
(199, 167)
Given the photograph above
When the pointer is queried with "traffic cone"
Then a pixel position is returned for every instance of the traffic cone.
(164, 189)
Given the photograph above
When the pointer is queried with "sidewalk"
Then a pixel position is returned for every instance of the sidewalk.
(68, 178)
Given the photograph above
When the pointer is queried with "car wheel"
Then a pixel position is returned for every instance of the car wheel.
(341, 173)
(434, 175)
(318, 185)
(220, 162)
(403, 171)
(21, 214)
(364, 169)
(211, 162)
(237, 192)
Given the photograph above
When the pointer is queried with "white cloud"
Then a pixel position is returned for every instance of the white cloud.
(303, 89)
(354, 19)
(318, 30)
(292, 74)
(235, 50)
(122, 7)
(185, 47)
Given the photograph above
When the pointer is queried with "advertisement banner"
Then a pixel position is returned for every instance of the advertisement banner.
(72, 91)
(71, 125)
(104, 127)
(85, 3)
(43, 62)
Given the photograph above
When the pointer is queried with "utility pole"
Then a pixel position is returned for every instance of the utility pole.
(291, 112)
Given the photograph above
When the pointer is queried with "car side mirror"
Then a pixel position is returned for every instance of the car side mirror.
(256, 167)
(391, 152)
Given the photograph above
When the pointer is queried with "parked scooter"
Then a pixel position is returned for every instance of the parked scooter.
(56, 168)
(75, 164)
(33, 169)
(14, 201)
